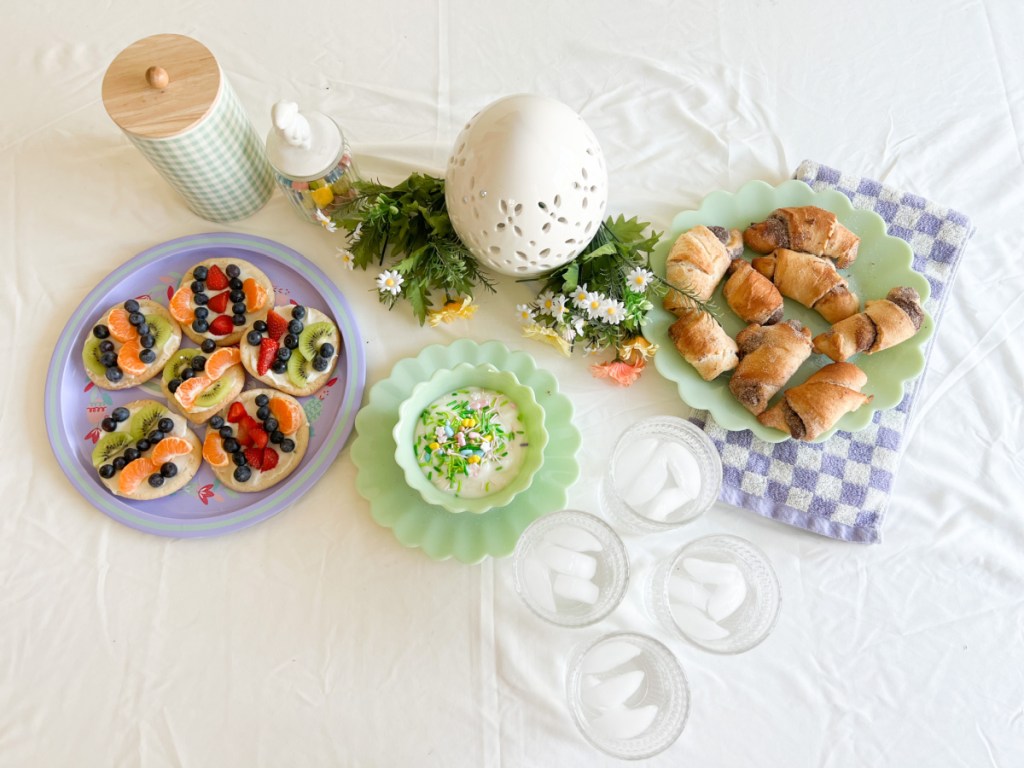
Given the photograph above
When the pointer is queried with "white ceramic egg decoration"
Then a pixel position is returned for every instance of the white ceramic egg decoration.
(526, 186)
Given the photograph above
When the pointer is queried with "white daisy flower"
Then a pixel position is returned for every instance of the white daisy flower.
(524, 313)
(579, 297)
(558, 308)
(390, 281)
(577, 324)
(613, 311)
(347, 259)
(595, 299)
(638, 279)
(546, 303)
(325, 221)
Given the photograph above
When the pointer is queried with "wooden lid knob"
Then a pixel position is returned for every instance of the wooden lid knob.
(143, 100)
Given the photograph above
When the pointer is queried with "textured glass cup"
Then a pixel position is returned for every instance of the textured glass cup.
(570, 568)
(628, 695)
(719, 592)
(664, 472)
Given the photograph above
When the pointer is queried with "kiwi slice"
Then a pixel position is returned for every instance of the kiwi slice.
(91, 356)
(179, 361)
(145, 420)
(109, 446)
(213, 394)
(300, 370)
(160, 328)
(315, 334)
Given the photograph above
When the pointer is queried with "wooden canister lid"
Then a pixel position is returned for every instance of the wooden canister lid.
(161, 86)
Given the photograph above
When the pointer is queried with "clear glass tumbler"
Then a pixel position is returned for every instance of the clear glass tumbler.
(664, 472)
(628, 695)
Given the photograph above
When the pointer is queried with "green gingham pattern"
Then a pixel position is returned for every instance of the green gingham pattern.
(219, 166)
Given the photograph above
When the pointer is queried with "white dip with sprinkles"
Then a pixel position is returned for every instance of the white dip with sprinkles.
(470, 442)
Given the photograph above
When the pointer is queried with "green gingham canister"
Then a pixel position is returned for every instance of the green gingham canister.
(171, 99)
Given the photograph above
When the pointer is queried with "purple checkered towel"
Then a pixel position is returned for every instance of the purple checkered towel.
(840, 487)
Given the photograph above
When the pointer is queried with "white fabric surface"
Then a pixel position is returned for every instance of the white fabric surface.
(315, 638)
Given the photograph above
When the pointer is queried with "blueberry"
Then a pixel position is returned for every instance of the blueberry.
(242, 474)
(120, 414)
(187, 374)
(262, 400)
(165, 425)
(231, 445)
(136, 318)
(200, 326)
(131, 454)
(107, 471)
(200, 273)
(143, 328)
(108, 425)
(279, 366)
(225, 431)
(291, 340)
(143, 445)
(198, 363)
(295, 326)
(119, 463)
(239, 458)
(200, 298)
(262, 412)
(235, 284)
(172, 385)
(147, 340)
(198, 286)
(327, 350)
(168, 469)
(254, 338)
(147, 356)
(270, 424)
(108, 359)
(283, 353)
(131, 306)
(106, 346)
(156, 480)
(101, 332)
(238, 308)
(321, 364)
(287, 445)
(202, 313)
(217, 422)
(232, 270)
(114, 374)
(276, 436)
(298, 311)
(238, 319)
(260, 326)
(155, 436)
(236, 296)
(208, 345)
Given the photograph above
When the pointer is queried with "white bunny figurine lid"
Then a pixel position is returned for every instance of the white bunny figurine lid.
(303, 146)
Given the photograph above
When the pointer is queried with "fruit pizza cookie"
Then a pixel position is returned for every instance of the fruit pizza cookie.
(130, 344)
(148, 452)
(295, 349)
(218, 298)
(258, 441)
(198, 382)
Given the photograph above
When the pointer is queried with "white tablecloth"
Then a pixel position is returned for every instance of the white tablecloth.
(314, 638)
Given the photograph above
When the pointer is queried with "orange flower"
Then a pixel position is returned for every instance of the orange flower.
(619, 371)
(637, 350)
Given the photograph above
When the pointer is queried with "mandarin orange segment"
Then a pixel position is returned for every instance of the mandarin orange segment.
(120, 327)
(190, 389)
(255, 294)
(135, 473)
(288, 413)
(221, 360)
(181, 306)
(213, 450)
(170, 447)
(128, 357)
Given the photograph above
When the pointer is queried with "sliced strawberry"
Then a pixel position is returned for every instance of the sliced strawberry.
(216, 279)
(268, 351)
(255, 457)
(219, 302)
(222, 325)
(269, 459)
(259, 436)
(277, 326)
(236, 412)
(246, 425)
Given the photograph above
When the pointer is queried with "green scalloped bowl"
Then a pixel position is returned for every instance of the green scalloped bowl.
(882, 263)
(439, 533)
(447, 380)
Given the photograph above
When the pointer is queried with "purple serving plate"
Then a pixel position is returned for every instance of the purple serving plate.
(74, 406)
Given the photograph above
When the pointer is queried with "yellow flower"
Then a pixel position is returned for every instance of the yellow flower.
(635, 349)
(540, 332)
(452, 311)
